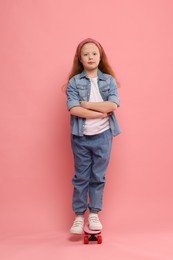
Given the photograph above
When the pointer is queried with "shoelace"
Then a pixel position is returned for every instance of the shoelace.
(94, 219)
(77, 223)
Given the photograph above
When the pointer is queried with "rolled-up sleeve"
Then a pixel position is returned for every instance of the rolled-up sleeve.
(113, 93)
(72, 95)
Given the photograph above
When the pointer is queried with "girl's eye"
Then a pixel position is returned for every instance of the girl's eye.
(85, 54)
(94, 53)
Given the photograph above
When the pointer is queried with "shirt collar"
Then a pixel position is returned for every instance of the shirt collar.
(99, 74)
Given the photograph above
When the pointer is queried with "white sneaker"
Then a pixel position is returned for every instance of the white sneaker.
(78, 224)
(94, 222)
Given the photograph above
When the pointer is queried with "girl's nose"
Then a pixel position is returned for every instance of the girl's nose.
(90, 56)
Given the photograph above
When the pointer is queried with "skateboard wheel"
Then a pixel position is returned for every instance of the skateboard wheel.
(99, 239)
(85, 239)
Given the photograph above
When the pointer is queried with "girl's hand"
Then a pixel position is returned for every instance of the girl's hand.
(109, 114)
(106, 115)
(84, 104)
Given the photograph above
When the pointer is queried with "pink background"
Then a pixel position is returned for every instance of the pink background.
(38, 41)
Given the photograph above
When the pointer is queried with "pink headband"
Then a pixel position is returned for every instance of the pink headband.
(88, 40)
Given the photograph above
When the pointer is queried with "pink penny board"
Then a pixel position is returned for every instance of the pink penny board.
(92, 235)
(89, 231)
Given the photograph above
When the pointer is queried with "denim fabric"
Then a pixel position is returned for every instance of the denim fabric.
(79, 90)
(91, 158)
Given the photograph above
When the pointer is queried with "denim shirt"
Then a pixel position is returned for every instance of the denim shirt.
(79, 90)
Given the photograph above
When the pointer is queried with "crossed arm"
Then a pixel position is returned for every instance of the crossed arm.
(93, 109)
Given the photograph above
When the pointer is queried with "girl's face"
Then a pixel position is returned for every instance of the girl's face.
(90, 56)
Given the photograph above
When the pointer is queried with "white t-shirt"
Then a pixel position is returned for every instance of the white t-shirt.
(97, 125)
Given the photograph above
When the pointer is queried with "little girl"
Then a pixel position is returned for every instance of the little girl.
(92, 98)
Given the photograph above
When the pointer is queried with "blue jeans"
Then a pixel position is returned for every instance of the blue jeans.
(91, 158)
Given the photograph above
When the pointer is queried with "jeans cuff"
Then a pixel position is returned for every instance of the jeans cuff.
(80, 213)
(94, 210)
